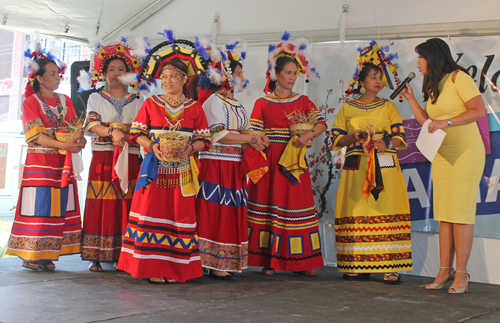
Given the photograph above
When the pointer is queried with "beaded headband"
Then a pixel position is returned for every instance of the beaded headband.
(180, 73)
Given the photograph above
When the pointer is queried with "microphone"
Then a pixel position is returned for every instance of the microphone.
(401, 86)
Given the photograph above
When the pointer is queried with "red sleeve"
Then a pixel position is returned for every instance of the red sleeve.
(141, 124)
(311, 109)
(257, 118)
(32, 121)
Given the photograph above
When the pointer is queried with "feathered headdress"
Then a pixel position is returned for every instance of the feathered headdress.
(195, 57)
(32, 67)
(219, 69)
(103, 51)
(294, 51)
(376, 55)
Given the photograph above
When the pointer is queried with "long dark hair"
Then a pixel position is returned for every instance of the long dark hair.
(42, 63)
(439, 63)
(367, 68)
(280, 66)
(177, 63)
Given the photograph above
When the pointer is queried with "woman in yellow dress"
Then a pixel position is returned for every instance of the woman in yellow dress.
(454, 104)
(372, 228)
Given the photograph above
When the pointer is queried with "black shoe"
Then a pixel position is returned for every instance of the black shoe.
(364, 276)
(227, 277)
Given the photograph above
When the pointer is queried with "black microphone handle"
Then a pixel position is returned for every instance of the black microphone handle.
(400, 88)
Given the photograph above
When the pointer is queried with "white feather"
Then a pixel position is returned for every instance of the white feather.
(95, 42)
(204, 42)
(100, 84)
(214, 76)
(85, 80)
(140, 47)
(214, 53)
(302, 41)
(128, 79)
(32, 64)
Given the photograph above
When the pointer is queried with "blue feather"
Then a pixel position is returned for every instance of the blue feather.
(200, 49)
(223, 56)
(148, 45)
(143, 87)
(204, 81)
(27, 53)
(286, 36)
(243, 55)
(303, 46)
(170, 35)
(269, 66)
(386, 48)
(373, 42)
(52, 57)
(315, 72)
(392, 56)
(232, 46)
(245, 84)
(123, 39)
(271, 48)
(360, 49)
(80, 90)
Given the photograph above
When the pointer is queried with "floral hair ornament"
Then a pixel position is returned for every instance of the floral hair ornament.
(195, 57)
(32, 67)
(295, 52)
(219, 69)
(374, 54)
(103, 51)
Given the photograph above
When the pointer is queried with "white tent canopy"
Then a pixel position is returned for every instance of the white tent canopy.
(257, 21)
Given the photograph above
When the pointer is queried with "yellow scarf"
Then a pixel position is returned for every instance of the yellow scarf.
(293, 161)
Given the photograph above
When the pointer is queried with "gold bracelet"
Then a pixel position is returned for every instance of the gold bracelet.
(314, 133)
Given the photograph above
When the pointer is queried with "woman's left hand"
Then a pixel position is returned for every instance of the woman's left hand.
(437, 124)
(380, 146)
(303, 139)
(187, 151)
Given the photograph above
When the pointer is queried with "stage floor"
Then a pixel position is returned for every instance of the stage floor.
(74, 294)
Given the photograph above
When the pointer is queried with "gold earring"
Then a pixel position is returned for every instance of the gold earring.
(362, 90)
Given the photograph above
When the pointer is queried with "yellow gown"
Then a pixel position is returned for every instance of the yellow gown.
(371, 236)
(459, 163)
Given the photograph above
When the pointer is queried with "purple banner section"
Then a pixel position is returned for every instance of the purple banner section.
(412, 129)
(411, 154)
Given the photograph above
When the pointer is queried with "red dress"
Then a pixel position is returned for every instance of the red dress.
(47, 223)
(107, 206)
(221, 203)
(161, 238)
(282, 219)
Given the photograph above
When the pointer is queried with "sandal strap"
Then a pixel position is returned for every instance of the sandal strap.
(446, 267)
(391, 274)
(461, 271)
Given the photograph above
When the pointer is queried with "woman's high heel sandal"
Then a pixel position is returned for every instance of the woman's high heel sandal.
(454, 290)
(440, 285)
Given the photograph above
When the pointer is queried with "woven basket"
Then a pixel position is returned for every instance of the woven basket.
(300, 128)
(251, 133)
(65, 137)
(124, 127)
(172, 149)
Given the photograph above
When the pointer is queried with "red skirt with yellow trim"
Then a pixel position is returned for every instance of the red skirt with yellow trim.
(221, 207)
(106, 208)
(282, 220)
(161, 238)
(47, 223)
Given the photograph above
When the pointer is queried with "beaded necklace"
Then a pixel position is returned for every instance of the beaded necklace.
(174, 103)
(276, 95)
(55, 120)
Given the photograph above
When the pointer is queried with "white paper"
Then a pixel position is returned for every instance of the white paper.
(429, 143)
(77, 161)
